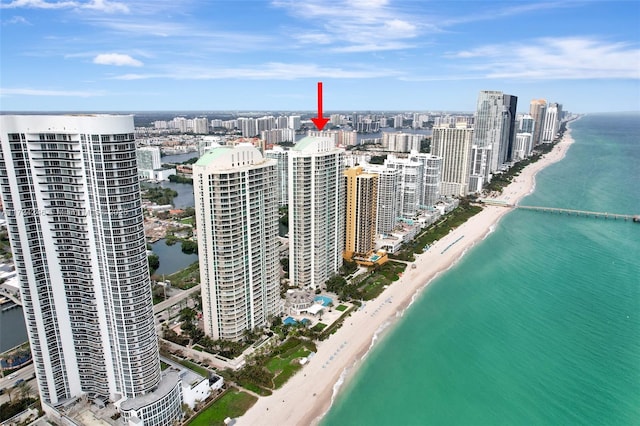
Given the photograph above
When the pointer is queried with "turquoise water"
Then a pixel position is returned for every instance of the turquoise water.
(538, 324)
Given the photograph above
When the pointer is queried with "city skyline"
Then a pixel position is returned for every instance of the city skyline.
(103, 55)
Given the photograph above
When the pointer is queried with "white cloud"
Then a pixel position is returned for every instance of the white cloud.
(353, 25)
(555, 58)
(16, 20)
(116, 59)
(98, 5)
(268, 71)
(42, 92)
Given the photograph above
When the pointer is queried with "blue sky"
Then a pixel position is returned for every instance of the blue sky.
(418, 55)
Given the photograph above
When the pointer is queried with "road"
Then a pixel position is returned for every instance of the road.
(10, 380)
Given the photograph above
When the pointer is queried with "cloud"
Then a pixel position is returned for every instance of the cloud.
(352, 25)
(555, 58)
(116, 59)
(16, 20)
(42, 92)
(97, 5)
(268, 71)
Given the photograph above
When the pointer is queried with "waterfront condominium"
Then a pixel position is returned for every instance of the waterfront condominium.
(316, 211)
(551, 124)
(70, 190)
(361, 207)
(411, 179)
(494, 133)
(431, 177)
(537, 110)
(388, 199)
(236, 204)
(453, 143)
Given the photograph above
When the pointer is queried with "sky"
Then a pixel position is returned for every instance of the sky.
(378, 55)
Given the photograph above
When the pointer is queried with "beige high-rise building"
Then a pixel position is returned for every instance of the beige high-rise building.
(236, 204)
(453, 143)
(360, 207)
(538, 110)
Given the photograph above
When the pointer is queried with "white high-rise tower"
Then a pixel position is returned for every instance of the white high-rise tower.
(316, 211)
(236, 203)
(70, 190)
(453, 143)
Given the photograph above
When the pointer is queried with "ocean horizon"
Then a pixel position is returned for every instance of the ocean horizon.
(537, 324)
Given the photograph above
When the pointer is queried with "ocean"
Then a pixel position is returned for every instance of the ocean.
(537, 324)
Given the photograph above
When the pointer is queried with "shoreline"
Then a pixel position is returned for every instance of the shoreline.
(309, 395)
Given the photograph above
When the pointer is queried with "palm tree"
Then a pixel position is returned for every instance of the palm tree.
(24, 389)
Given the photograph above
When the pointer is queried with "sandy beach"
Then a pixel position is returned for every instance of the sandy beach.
(307, 396)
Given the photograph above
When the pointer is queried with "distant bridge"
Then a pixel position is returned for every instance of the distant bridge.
(570, 212)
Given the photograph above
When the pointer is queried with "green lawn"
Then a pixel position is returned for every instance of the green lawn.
(188, 220)
(341, 308)
(284, 366)
(186, 278)
(319, 326)
(233, 403)
(195, 367)
(386, 274)
(163, 365)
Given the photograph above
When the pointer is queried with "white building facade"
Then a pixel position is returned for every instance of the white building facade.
(316, 211)
(236, 204)
(282, 157)
(453, 143)
(70, 190)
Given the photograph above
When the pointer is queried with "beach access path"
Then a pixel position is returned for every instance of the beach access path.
(308, 395)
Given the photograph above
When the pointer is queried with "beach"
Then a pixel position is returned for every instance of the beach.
(307, 396)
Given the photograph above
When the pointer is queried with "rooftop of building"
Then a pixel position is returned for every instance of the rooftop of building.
(313, 144)
(168, 381)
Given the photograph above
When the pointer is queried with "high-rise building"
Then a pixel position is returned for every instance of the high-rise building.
(148, 160)
(523, 146)
(411, 172)
(401, 142)
(316, 211)
(493, 133)
(431, 178)
(201, 125)
(361, 207)
(526, 123)
(72, 202)
(294, 122)
(388, 200)
(509, 130)
(236, 204)
(551, 123)
(282, 157)
(453, 144)
(538, 110)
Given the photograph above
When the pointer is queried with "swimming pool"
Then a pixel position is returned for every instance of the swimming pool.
(324, 299)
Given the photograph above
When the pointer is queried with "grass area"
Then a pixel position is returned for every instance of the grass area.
(255, 388)
(188, 220)
(319, 326)
(195, 367)
(233, 403)
(386, 274)
(286, 367)
(186, 278)
(197, 348)
(163, 365)
(341, 308)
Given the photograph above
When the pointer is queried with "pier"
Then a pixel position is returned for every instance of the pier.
(569, 212)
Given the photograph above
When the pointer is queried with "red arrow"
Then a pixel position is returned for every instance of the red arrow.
(320, 121)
